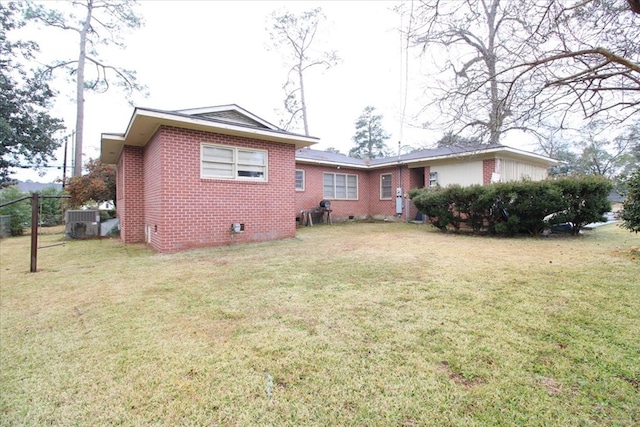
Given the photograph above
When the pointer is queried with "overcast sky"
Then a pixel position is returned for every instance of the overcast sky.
(204, 53)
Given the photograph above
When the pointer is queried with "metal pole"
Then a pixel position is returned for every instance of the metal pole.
(73, 153)
(64, 163)
(34, 232)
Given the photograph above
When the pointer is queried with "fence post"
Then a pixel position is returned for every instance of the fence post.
(34, 232)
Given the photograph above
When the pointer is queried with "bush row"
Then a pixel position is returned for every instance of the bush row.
(516, 207)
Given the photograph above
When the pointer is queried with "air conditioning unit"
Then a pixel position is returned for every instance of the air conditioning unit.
(82, 224)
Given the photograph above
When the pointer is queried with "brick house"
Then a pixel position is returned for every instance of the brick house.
(213, 176)
(184, 178)
(377, 188)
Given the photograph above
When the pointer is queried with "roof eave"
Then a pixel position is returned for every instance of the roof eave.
(330, 163)
(426, 160)
(111, 148)
(513, 152)
(144, 124)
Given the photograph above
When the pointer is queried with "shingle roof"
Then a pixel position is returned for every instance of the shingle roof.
(223, 120)
(328, 157)
(317, 156)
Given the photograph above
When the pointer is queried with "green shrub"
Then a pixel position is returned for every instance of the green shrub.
(51, 208)
(630, 213)
(585, 199)
(515, 207)
(529, 202)
(106, 214)
(434, 203)
(20, 212)
(480, 201)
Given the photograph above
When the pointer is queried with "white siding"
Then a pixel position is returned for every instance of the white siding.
(468, 173)
(511, 170)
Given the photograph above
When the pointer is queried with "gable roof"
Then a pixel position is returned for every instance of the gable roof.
(421, 157)
(230, 113)
(224, 119)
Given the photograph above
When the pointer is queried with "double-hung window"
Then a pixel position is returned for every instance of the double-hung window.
(299, 180)
(385, 186)
(221, 161)
(340, 186)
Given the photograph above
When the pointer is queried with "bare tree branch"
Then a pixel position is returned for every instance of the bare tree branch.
(299, 32)
(505, 65)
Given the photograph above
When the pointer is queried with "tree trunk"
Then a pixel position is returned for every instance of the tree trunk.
(497, 108)
(77, 164)
(303, 102)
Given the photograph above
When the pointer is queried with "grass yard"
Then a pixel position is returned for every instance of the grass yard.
(368, 324)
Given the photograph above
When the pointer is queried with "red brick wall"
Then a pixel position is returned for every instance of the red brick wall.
(408, 179)
(154, 205)
(313, 192)
(488, 168)
(184, 211)
(369, 203)
(417, 179)
(130, 194)
(382, 207)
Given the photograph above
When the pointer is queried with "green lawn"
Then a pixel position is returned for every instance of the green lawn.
(370, 324)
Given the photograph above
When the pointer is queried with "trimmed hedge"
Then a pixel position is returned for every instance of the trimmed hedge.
(511, 208)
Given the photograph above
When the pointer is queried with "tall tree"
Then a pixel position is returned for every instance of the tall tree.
(370, 137)
(100, 22)
(503, 65)
(556, 147)
(601, 155)
(594, 152)
(472, 41)
(295, 35)
(27, 131)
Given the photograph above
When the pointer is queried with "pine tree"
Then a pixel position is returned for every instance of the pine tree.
(370, 137)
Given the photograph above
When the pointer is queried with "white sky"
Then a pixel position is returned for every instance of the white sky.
(203, 53)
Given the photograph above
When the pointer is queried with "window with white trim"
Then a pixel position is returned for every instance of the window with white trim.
(385, 186)
(299, 179)
(221, 161)
(340, 186)
(433, 179)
